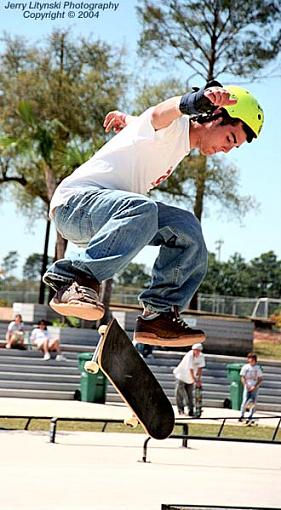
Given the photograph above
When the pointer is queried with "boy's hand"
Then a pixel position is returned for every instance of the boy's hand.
(114, 120)
(219, 96)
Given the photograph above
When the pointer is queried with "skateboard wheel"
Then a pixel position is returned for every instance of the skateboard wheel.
(91, 367)
(102, 329)
(131, 422)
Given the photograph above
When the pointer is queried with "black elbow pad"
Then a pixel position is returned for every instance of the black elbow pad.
(195, 103)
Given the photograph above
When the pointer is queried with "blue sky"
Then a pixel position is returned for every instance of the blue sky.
(259, 162)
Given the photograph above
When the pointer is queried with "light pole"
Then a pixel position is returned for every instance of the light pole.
(218, 245)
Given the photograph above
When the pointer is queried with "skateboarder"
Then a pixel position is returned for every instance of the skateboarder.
(102, 206)
(251, 378)
(189, 373)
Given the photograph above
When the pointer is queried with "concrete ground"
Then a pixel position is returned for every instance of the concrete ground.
(104, 471)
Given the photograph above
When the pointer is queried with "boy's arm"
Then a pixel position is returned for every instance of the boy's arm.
(204, 100)
(258, 383)
(243, 380)
(192, 374)
(199, 101)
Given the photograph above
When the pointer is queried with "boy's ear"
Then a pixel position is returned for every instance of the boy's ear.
(216, 122)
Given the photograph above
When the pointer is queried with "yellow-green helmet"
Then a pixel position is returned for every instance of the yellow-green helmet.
(246, 109)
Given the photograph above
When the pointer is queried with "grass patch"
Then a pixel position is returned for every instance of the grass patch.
(268, 350)
(259, 432)
(72, 426)
(196, 429)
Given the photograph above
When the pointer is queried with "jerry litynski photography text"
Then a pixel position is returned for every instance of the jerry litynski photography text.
(54, 10)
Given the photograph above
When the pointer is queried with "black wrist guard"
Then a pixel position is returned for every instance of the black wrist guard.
(194, 103)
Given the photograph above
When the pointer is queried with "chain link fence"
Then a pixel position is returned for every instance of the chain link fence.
(208, 303)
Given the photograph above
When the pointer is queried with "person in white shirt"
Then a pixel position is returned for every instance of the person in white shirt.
(41, 338)
(15, 333)
(251, 378)
(103, 207)
(189, 373)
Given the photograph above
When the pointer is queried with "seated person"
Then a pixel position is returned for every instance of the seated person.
(41, 338)
(15, 334)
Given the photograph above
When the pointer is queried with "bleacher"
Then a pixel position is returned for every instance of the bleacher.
(26, 374)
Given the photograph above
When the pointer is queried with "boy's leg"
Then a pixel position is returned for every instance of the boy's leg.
(244, 400)
(177, 273)
(253, 404)
(113, 226)
(180, 396)
(189, 391)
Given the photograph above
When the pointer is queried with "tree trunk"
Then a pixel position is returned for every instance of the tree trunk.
(200, 185)
(41, 299)
(60, 248)
(198, 210)
(105, 296)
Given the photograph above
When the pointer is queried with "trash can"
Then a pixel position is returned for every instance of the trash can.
(92, 386)
(236, 386)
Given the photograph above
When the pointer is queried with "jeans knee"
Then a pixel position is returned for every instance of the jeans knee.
(147, 211)
(192, 234)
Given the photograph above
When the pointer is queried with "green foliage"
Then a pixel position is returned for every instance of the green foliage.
(55, 96)
(9, 263)
(32, 267)
(199, 181)
(134, 275)
(265, 275)
(212, 37)
(73, 322)
(260, 277)
(149, 94)
(209, 39)
(59, 323)
(268, 350)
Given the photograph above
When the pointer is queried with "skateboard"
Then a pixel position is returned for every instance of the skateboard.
(119, 360)
(198, 401)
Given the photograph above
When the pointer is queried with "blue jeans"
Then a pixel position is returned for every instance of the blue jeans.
(248, 396)
(113, 226)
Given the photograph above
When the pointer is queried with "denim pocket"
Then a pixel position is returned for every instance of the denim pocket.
(74, 224)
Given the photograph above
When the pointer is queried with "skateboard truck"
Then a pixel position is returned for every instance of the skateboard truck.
(92, 367)
(118, 359)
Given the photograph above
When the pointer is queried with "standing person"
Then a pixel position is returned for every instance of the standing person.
(15, 333)
(102, 206)
(251, 378)
(41, 338)
(189, 373)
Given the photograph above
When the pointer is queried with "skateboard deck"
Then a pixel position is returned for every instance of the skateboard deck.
(117, 357)
(198, 401)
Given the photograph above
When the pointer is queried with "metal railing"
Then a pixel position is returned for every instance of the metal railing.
(186, 436)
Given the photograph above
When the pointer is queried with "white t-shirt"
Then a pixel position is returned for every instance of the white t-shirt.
(38, 336)
(13, 326)
(137, 159)
(251, 374)
(182, 371)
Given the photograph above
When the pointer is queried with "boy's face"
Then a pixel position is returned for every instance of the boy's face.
(251, 360)
(216, 138)
(196, 352)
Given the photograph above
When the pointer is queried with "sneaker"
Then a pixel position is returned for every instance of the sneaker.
(47, 356)
(241, 419)
(181, 412)
(79, 300)
(166, 329)
(60, 357)
(191, 412)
